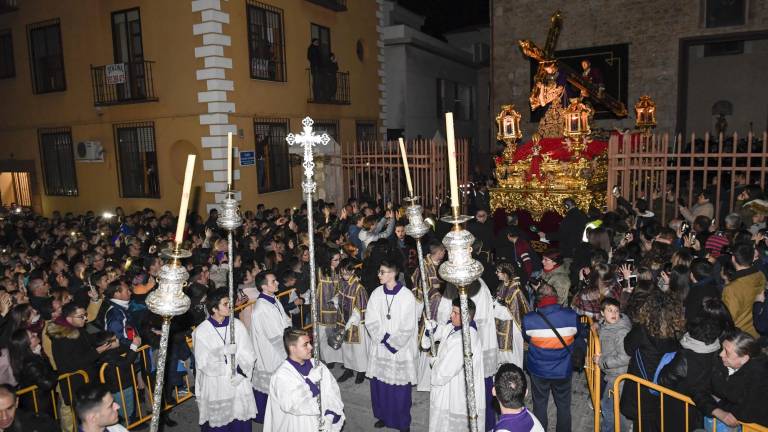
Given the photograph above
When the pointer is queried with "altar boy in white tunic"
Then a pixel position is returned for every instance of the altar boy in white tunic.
(391, 322)
(225, 402)
(448, 397)
(268, 321)
(486, 329)
(294, 388)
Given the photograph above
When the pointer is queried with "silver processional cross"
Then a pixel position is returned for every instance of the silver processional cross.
(308, 139)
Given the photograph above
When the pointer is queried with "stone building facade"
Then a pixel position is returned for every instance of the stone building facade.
(655, 31)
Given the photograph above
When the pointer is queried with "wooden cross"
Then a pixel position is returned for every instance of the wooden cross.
(530, 49)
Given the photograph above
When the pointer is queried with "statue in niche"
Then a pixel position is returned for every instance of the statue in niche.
(721, 109)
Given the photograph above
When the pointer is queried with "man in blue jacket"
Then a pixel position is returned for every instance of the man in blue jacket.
(551, 332)
(118, 319)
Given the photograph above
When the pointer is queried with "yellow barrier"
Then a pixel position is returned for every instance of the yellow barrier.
(143, 352)
(57, 414)
(592, 370)
(664, 392)
(65, 410)
(143, 414)
(240, 308)
(26, 390)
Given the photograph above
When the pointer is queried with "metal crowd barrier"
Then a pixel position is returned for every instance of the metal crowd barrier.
(143, 412)
(644, 385)
(592, 371)
(240, 308)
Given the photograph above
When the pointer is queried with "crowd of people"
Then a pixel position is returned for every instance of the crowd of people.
(679, 302)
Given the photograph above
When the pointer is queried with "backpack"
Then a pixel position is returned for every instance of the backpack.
(665, 360)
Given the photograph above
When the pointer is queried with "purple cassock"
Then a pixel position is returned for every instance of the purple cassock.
(391, 404)
(522, 421)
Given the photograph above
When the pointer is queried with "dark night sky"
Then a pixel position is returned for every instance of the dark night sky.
(446, 15)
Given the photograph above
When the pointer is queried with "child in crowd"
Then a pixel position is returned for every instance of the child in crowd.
(612, 360)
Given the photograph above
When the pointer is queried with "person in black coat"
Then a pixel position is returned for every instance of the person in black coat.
(657, 325)
(702, 286)
(760, 318)
(30, 367)
(71, 346)
(737, 384)
(688, 371)
(570, 232)
(482, 229)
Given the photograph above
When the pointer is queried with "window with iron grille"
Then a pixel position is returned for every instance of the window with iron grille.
(7, 67)
(273, 170)
(265, 41)
(46, 57)
(58, 160)
(137, 160)
(366, 131)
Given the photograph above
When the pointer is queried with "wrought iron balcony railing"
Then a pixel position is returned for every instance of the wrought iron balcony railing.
(336, 5)
(123, 83)
(328, 87)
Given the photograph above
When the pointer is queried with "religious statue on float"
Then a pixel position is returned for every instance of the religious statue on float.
(550, 88)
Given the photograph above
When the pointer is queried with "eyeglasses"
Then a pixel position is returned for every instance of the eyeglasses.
(79, 316)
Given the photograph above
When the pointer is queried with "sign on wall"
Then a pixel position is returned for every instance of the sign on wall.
(247, 158)
(115, 73)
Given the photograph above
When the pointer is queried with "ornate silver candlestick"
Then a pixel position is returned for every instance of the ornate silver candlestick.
(308, 139)
(416, 228)
(168, 301)
(230, 220)
(461, 270)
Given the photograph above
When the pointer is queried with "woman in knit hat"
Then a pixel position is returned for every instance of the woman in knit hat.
(556, 273)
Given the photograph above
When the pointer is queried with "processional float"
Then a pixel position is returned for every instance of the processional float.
(563, 159)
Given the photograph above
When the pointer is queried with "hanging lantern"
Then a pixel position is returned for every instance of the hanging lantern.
(645, 113)
(508, 124)
(576, 118)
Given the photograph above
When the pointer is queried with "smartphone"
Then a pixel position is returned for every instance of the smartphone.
(633, 281)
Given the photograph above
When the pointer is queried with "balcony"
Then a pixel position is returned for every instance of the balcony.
(329, 87)
(335, 5)
(123, 83)
(8, 6)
